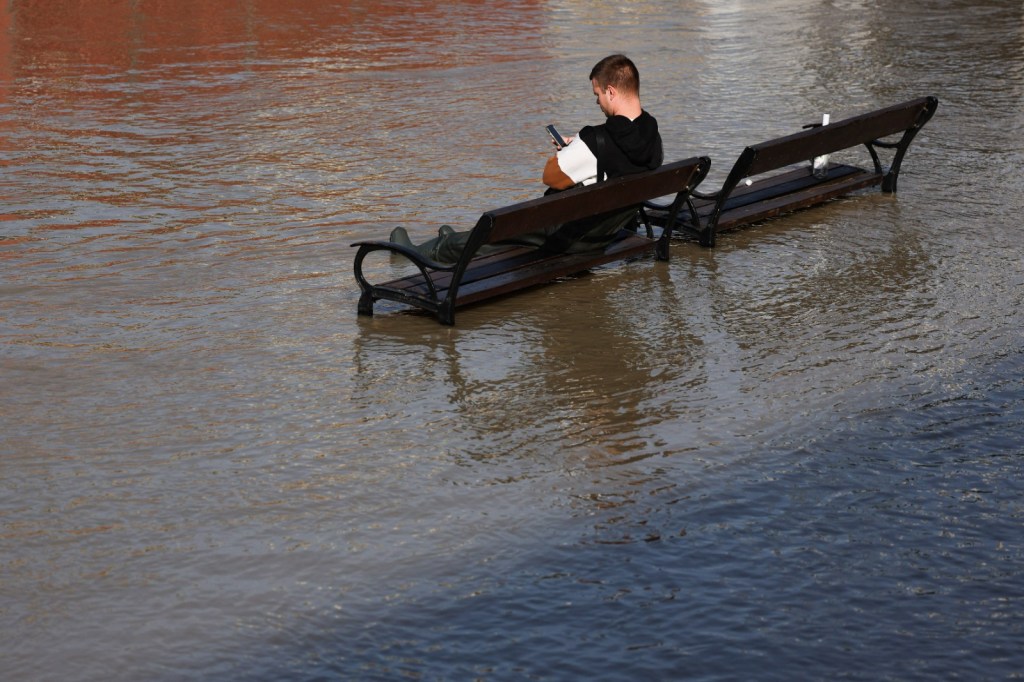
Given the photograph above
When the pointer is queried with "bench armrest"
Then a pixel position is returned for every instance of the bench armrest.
(423, 264)
(415, 256)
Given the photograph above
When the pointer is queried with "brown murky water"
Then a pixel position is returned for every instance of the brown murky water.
(799, 452)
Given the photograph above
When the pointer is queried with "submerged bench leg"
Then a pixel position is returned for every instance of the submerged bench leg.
(446, 313)
(366, 304)
(707, 236)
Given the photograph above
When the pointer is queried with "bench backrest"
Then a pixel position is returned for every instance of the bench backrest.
(850, 132)
(554, 209)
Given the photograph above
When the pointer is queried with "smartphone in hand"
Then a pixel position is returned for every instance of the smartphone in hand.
(555, 137)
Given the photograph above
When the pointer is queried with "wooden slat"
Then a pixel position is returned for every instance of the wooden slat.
(792, 201)
(795, 180)
(516, 268)
(547, 269)
(443, 279)
(788, 191)
(612, 195)
(851, 132)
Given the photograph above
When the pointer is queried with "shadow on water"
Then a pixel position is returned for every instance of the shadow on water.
(592, 391)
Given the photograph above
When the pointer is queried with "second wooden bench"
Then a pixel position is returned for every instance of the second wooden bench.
(740, 202)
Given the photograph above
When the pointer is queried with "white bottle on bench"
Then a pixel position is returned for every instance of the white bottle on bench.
(820, 164)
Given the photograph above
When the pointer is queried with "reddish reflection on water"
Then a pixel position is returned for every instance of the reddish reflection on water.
(158, 116)
(57, 35)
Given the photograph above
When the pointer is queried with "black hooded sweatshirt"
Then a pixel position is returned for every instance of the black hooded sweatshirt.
(627, 146)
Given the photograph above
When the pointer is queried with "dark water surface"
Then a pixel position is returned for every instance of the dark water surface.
(796, 456)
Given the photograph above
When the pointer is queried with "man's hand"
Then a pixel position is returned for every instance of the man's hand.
(568, 141)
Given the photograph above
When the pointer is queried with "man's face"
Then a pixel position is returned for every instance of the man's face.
(603, 97)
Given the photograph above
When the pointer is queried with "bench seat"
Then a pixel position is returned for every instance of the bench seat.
(768, 197)
(513, 269)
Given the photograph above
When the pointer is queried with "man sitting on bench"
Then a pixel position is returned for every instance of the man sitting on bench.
(627, 142)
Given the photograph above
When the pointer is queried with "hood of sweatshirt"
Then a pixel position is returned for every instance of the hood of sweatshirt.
(638, 139)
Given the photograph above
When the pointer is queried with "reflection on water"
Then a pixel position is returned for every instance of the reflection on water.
(802, 446)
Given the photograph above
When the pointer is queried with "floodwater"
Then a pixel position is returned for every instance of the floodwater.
(798, 455)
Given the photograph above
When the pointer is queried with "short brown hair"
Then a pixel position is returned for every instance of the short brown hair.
(618, 70)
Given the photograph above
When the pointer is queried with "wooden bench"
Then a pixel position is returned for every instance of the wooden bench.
(440, 287)
(738, 203)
